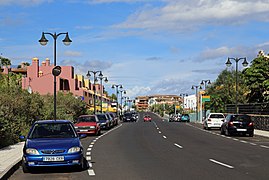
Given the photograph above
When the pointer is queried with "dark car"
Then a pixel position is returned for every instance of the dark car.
(128, 117)
(114, 117)
(88, 124)
(52, 143)
(111, 119)
(185, 118)
(237, 124)
(104, 121)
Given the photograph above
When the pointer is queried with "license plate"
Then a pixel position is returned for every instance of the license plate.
(83, 130)
(241, 130)
(216, 124)
(54, 158)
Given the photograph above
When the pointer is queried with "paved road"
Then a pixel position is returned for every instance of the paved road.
(163, 150)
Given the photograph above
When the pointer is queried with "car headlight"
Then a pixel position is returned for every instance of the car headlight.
(74, 149)
(32, 151)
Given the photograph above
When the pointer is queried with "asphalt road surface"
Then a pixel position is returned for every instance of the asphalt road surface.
(165, 150)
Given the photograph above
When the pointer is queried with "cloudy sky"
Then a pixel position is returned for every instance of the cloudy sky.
(148, 46)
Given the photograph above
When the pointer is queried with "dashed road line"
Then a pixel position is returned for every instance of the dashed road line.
(88, 158)
(220, 163)
(164, 137)
(264, 146)
(178, 145)
(91, 172)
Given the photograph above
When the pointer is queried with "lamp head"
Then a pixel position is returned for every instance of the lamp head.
(245, 63)
(67, 41)
(228, 63)
(43, 41)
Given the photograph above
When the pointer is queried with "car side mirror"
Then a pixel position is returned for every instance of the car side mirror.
(82, 136)
(22, 137)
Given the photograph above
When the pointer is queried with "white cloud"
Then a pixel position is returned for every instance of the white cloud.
(23, 2)
(185, 15)
(72, 53)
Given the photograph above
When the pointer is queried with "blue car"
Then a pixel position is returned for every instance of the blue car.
(185, 118)
(52, 143)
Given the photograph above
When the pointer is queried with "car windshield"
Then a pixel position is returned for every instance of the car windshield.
(216, 116)
(128, 115)
(52, 130)
(87, 119)
(101, 117)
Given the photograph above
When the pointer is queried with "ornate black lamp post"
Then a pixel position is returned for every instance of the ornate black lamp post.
(102, 90)
(117, 86)
(94, 88)
(43, 41)
(228, 64)
(196, 91)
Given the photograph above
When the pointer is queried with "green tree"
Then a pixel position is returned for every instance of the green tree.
(223, 91)
(257, 79)
(4, 61)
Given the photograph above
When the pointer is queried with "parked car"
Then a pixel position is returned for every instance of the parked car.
(52, 143)
(111, 120)
(237, 124)
(104, 121)
(174, 118)
(147, 118)
(88, 124)
(128, 117)
(185, 118)
(213, 120)
(115, 118)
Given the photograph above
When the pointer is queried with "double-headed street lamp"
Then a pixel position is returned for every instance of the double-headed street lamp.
(102, 90)
(196, 91)
(124, 92)
(228, 64)
(57, 69)
(183, 95)
(117, 86)
(94, 88)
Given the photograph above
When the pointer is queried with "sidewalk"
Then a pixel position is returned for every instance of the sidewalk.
(9, 157)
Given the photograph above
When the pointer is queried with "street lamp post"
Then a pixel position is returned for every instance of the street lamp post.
(196, 91)
(101, 83)
(117, 93)
(183, 95)
(94, 88)
(228, 64)
(124, 92)
(205, 83)
(43, 41)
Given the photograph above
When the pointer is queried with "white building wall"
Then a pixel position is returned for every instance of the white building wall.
(190, 102)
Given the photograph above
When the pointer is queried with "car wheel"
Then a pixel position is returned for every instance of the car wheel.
(251, 134)
(227, 133)
(25, 169)
(222, 131)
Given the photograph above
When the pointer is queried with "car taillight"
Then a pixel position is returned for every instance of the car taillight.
(230, 123)
(250, 124)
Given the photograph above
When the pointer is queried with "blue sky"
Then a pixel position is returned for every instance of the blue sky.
(148, 46)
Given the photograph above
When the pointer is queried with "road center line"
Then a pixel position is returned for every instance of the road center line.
(264, 146)
(178, 146)
(91, 172)
(164, 137)
(220, 163)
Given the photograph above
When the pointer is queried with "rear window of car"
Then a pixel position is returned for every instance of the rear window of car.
(216, 116)
(101, 117)
(241, 118)
(185, 115)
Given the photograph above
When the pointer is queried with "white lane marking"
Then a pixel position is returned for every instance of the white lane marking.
(89, 149)
(88, 158)
(90, 164)
(160, 132)
(178, 146)
(91, 146)
(253, 144)
(243, 141)
(264, 146)
(164, 137)
(88, 153)
(220, 163)
(91, 172)
(235, 139)
(157, 128)
(92, 142)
